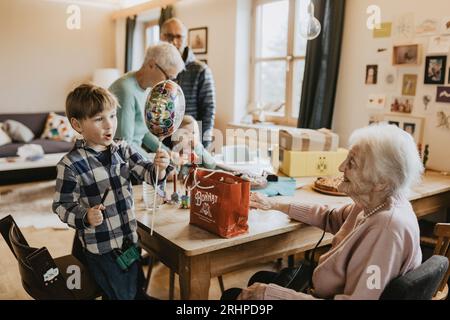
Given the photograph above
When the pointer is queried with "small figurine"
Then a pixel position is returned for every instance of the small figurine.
(185, 201)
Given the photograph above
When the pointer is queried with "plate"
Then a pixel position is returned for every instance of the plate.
(328, 192)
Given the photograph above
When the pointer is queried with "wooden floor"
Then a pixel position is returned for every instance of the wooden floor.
(59, 242)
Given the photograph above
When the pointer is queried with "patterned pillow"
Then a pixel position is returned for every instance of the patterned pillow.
(58, 128)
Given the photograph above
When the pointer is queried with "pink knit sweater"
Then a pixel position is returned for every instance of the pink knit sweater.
(363, 259)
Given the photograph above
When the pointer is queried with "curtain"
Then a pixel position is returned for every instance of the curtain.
(322, 67)
(129, 33)
(166, 14)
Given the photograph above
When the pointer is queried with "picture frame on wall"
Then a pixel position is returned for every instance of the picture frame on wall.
(402, 104)
(435, 67)
(372, 74)
(412, 125)
(406, 55)
(198, 40)
(443, 94)
(205, 61)
(409, 84)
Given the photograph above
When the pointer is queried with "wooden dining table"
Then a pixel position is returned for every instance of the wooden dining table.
(197, 255)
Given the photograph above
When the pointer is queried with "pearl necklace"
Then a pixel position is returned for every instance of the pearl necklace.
(370, 213)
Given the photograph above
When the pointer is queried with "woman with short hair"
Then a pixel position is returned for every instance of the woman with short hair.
(376, 238)
(162, 62)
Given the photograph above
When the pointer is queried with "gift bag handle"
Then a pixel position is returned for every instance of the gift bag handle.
(197, 183)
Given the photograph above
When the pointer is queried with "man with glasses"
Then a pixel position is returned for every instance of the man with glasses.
(196, 80)
(162, 62)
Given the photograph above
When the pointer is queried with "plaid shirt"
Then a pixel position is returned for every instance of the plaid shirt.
(81, 182)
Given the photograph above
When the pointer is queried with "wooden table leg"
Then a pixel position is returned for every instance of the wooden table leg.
(195, 277)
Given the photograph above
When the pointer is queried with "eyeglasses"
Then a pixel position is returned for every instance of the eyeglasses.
(171, 37)
(165, 74)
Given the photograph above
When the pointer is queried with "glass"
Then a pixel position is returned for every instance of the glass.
(271, 85)
(299, 70)
(272, 26)
(148, 195)
(300, 15)
(152, 35)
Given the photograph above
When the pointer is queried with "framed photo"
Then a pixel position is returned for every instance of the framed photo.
(412, 125)
(439, 45)
(198, 40)
(406, 55)
(376, 101)
(409, 84)
(443, 94)
(204, 61)
(435, 69)
(371, 74)
(402, 104)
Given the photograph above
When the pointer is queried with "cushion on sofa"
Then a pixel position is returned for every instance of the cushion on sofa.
(4, 137)
(58, 128)
(34, 121)
(17, 131)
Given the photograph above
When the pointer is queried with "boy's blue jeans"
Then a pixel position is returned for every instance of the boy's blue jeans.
(115, 283)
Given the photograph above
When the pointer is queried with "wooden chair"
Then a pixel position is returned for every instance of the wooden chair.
(442, 232)
(43, 277)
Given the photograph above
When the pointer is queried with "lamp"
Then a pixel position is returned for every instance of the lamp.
(105, 77)
(310, 27)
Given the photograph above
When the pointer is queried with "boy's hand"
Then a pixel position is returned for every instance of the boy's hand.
(162, 161)
(95, 215)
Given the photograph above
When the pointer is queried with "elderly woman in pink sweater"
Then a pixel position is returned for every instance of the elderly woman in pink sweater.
(376, 239)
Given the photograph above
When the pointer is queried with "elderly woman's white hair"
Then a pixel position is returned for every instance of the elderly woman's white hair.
(391, 157)
(166, 56)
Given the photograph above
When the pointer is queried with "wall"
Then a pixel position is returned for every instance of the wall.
(41, 60)
(360, 49)
(228, 23)
(220, 18)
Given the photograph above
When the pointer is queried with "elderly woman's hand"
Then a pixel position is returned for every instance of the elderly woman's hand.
(255, 292)
(260, 201)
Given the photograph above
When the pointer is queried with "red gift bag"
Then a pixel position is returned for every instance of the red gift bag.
(219, 202)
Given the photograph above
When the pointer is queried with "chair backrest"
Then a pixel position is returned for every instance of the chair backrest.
(5, 226)
(418, 284)
(34, 267)
(442, 231)
(21, 250)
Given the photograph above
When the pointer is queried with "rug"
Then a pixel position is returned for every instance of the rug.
(31, 205)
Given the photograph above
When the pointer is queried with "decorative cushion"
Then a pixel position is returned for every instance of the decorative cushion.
(18, 131)
(4, 138)
(58, 128)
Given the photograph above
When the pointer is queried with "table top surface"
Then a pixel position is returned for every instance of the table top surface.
(172, 223)
(17, 163)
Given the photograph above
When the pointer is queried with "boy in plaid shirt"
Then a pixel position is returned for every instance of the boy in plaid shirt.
(95, 164)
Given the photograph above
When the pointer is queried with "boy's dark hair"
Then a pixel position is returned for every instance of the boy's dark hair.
(87, 100)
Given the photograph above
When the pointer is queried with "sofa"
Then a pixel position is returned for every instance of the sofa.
(36, 123)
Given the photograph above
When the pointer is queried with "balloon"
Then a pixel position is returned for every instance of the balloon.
(164, 109)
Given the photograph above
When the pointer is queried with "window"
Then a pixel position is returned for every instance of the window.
(151, 33)
(278, 58)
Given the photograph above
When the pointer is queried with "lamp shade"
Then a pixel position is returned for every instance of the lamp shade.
(105, 77)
